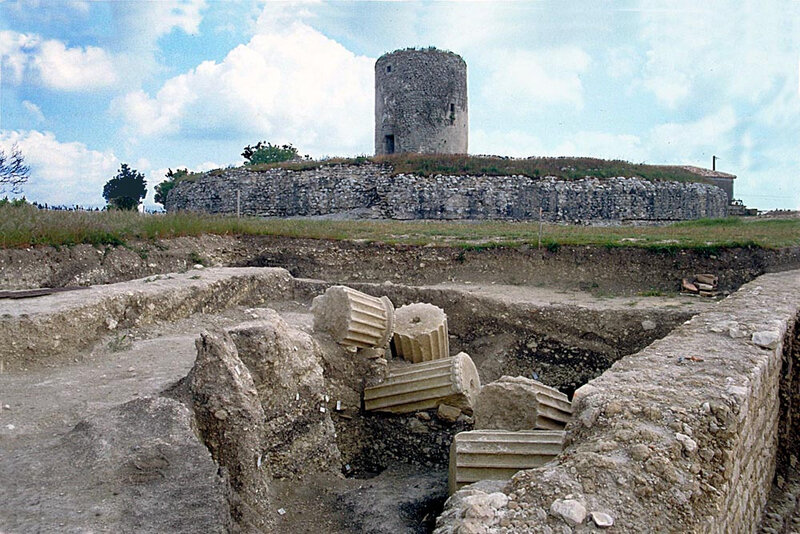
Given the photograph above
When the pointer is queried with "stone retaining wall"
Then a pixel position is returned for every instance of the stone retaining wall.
(680, 437)
(370, 191)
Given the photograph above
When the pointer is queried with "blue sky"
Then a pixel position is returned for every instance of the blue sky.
(87, 85)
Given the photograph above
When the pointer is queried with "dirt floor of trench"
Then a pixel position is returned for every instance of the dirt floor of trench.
(40, 408)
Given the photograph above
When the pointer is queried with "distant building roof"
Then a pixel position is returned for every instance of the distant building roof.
(708, 173)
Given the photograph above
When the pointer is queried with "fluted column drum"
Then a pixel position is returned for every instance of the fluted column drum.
(354, 318)
(423, 386)
(420, 333)
(499, 454)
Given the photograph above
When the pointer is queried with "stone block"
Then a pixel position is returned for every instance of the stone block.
(354, 318)
(499, 454)
(423, 386)
(519, 403)
(420, 333)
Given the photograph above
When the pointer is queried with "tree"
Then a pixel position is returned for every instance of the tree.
(163, 189)
(126, 189)
(264, 152)
(13, 171)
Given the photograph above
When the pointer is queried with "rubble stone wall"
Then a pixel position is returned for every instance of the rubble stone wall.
(680, 437)
(370, 191)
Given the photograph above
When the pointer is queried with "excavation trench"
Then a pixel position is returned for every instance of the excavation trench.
(278, 406)
(320, 457)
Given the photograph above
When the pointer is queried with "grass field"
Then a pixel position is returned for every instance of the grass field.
(25, 225)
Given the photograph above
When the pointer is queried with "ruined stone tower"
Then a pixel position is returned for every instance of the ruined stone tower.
(421, 102)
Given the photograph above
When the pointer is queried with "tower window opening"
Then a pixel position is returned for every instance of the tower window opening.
(452, 113)
(388, 68)
(388, 142)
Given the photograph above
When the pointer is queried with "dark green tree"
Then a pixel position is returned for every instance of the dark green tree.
(263, 152)
(163, 189)
(126, 189)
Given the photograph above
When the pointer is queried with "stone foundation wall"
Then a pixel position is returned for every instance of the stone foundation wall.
(370, 191)
(679, 437)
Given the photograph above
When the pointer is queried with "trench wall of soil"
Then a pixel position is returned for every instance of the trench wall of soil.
(627, 270)
(682, 436)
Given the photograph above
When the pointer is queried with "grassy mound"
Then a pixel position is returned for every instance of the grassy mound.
(567, 168)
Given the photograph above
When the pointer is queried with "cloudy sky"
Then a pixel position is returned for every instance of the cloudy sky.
(87, 85)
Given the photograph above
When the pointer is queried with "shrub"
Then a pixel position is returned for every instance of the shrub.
(264, 152)
(163, 189)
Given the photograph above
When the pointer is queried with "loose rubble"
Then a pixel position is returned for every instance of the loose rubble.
(705, 285)
(570, 510)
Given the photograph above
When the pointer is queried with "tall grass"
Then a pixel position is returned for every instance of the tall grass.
(25, 225)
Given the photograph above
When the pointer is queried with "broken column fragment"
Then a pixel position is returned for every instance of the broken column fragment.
(424, 386)
(353, 318)
(499, 454)
(519, 403)
(420, 333)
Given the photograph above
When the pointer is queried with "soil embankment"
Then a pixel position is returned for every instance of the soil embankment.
(618, 270)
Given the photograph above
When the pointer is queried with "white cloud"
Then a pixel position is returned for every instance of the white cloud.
(16, 50)
(520, 77)
(690, 142)
(61, 173)
(34, 110)
(52, 64)
(292, 85)
(693, 141)
(275, 15)
(143, 23)
(470, 26)
(72, 69)
(602, 145)
(513, 143)
(82, 6)
(670, 88)
(742, 51)
(622, 62)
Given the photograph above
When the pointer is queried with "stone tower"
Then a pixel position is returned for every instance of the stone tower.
(421, 102)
